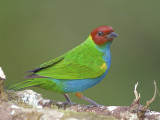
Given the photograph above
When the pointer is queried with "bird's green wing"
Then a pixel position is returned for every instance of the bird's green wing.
(83, 62)
(72, 70)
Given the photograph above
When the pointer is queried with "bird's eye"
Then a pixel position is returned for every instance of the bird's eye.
(100, 33)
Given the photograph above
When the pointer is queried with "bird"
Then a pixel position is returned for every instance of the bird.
(77, 70)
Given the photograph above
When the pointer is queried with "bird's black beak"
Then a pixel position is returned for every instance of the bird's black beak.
(112, 35)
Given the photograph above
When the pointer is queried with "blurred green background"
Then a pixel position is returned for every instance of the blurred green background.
(33, 32)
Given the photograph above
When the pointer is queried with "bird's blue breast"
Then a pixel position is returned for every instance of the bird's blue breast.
(79, 85)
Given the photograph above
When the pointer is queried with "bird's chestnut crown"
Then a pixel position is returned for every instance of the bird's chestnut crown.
(103, 34)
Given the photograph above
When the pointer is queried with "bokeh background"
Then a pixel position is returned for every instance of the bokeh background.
(33, 32)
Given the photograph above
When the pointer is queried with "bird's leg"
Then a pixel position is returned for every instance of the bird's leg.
(79, 95)
(67, 98)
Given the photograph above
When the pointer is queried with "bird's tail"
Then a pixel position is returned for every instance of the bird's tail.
(45, 83)
(25, 84)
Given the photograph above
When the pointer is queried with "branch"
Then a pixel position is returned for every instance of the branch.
(28, 104)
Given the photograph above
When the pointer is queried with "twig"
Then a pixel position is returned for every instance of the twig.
(2, 75)
(2, 78)
(137, 96)
(151, 100)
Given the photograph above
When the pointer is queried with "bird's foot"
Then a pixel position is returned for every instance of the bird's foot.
(94, 105)
(68, 103)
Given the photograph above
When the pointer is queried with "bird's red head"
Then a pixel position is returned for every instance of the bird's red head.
(102, 34)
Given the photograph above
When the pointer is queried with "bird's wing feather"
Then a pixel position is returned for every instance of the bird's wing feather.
(71, 70)
(82, 62)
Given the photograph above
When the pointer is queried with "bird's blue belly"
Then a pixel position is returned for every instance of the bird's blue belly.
(78, 85)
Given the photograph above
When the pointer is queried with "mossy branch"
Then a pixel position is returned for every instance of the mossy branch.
(30, 105)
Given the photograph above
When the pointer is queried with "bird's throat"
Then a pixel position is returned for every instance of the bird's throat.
(105, 47)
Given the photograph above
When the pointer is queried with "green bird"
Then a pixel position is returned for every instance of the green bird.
(77, 70)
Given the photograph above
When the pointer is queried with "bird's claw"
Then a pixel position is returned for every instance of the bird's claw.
(97, 105)
(67, 104)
